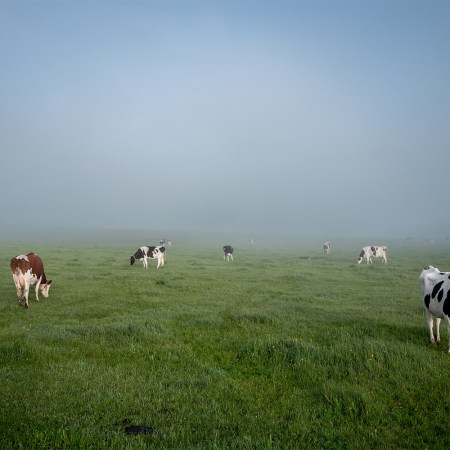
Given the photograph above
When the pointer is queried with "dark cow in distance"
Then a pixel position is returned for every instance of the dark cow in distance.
(147, 252)
(28, 270)
(435, 287)
(228, 253)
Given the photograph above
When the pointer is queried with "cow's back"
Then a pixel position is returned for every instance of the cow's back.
(29, 262)
(37, 265)
(20, 264)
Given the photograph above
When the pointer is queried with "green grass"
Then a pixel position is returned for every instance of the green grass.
(269, 351)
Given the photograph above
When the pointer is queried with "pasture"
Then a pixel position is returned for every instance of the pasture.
(282, 348)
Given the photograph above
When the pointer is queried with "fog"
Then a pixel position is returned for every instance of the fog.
(282, 117)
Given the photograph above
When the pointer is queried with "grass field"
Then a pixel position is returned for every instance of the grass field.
(282, 348)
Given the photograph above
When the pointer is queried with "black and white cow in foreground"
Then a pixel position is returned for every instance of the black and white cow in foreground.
(373, 251)
(326, 248)
(227, 253)
(146, 252)
(28, 270)
(435, 287)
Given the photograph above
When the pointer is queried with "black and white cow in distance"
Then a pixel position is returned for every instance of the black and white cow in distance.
(435, 287)
(373, 251)
(326, 248)
(28, 270)
(228, 253)
(146, 252)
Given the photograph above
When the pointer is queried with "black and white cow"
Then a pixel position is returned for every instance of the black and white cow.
(228, 253)
(326, 248)
(373, 251)
(435, 287)
(146, 252)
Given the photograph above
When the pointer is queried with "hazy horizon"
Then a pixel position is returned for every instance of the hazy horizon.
(251, 117)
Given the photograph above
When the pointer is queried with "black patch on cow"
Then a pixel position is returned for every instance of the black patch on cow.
(162, 249)
(446, 305)
(138, 255)
(436, 288)
(374, 250)
(440, 295)
(426, 300)
(361, 255)
(228, 249)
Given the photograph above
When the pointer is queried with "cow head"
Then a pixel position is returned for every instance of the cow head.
(361, 256)
(45, 288)
(132, 260)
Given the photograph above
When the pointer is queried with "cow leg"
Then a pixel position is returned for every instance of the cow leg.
(447, 323)
(25, 293)
(231, 257)
(160, 261)
(18, 288)
(144, 261)
(438, 332)
(430, 326)
(37, 288)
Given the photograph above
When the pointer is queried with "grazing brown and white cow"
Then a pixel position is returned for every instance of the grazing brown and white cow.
(373, 251)
(146, 252)
(326, 248)
(28, 270)
(228, 252)
(435, 287)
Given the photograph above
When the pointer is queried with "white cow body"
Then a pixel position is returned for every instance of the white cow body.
(146, 252)
(435, 287)
(373, 251)
(326, 248)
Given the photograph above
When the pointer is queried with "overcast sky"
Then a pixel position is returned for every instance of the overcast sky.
(309, 117)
